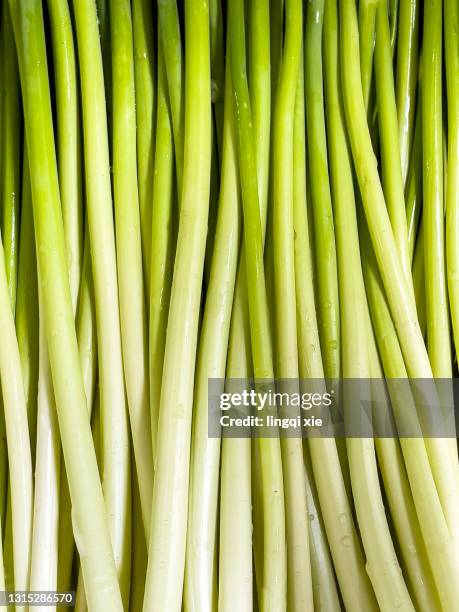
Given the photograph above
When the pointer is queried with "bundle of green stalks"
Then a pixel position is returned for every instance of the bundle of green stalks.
(199, 189)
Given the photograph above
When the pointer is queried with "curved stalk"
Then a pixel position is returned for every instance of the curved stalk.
(45, 528)
(325, 592)
(134, 335)
(17, 437)
(406, 78)
(87, 347)
(217, 71)
(145, 106)
(68, 139)
(274, 559)
(397, 290)
(170, 37)
(89, 515)
(26, 305)
(388, 585)
(367, 33)
(439, 547)
(200, 575)
(414, 186)
(452, 186)
(324, 232)
(163, 590)
(11, 154)
(437, 311)
(390, 149)
(162, 247)
(236, 485)
(116, 479)
(299, 584)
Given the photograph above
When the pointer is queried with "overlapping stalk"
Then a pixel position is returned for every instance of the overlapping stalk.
(92, 535)
(166, 559)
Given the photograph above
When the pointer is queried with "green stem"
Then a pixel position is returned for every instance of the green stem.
(217, 70)
(323, 580)
(200, 576)
(89, 513)
(11, 154)
(390, 149)
(116, 455)
(170, 38)
(367, 31)
(438, 331)
(406, 78)
(134, 334)
(87, 347)
(26, 311)
(397, 290)
(166, 558)
(414, 185)
(452, 186)
(17, 437)
(68, 139)
(299, 584)
(324, 231)
(45, 529)
(417, 455)
(145, 105)
(162, 246)
(274, 567)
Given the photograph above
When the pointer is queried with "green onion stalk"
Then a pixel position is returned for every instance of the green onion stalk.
(397, 292)
(265, 35)
(274, 582)
(166, 559)
(299, 584)
(17, 437)
(325, 592)
(11, 153)
(407, 61)
(68, 139)
(201, 571)
(451, 27)
(236, 486)
(115, 448)
(438, 331)
(217, 71)
(26, 304)
(413, 192)
(389, 586)
(324, 232)
(89, 514)
(367, 35)
(393, 14)
(163, 236)
(402, 482)
(322, 213)
(70, 184)
(439, 552)
(419, 278)
(170, 40)
(45, 528)
(86, 336)
(134, 334)
(345, 548)
(388, 130)
(436, 293)
(139, 548)
(235, 560)
(145, 104)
